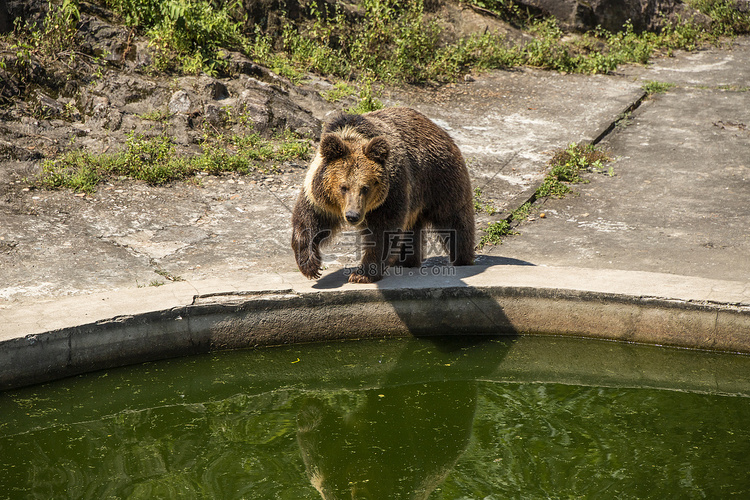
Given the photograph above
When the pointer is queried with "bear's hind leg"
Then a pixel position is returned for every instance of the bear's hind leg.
(410, 252)
(457, 235)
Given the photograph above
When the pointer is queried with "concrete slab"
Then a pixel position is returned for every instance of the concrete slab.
(722, 67)
(677, 202)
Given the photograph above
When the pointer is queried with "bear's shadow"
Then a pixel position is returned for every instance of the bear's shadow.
(431, 266)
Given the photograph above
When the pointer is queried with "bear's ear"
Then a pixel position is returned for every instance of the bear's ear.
(333, 148)
(377, 149)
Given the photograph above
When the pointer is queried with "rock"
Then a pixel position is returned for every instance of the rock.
(46, 105)
(212, 114)
(462, 20)
(239, 64)
(179, 102)
(9, 85)
(6, 23)
(213, 88)
(101, 39)
(645, 15)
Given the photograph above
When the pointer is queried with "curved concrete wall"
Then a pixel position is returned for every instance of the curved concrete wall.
(45, 341)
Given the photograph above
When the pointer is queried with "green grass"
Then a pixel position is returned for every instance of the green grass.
(395, 42)
(653, 87)
(728, 19)
(368, 98)
(340, 90)
(155, 161)
(187, 35)
(392, 42)
(495, 232)
(567, 165)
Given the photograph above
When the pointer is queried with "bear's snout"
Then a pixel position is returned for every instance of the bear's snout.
(352, 217)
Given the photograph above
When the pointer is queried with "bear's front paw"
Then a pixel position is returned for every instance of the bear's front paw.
(309, 264)
(310, 270)
(363, 278)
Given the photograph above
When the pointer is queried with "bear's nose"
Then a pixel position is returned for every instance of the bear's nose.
(352, 217)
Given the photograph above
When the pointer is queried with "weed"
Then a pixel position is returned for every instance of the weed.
(653, 87)
(340, 90)
(728, 19)
(397, 44)
(624, 119)
(156, 115)
(168, 275)
(53, 40)
(566, 168)
(187, 35)
(394, 41)
(495, 232)
(521, 213)
(78, 170)
(368, 98)
(482, 206)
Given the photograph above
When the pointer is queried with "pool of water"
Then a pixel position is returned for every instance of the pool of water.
(477, 418)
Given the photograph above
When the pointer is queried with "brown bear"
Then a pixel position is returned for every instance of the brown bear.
(389, 173)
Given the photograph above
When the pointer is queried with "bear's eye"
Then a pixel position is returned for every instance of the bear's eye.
(344, 189)
(364, 190)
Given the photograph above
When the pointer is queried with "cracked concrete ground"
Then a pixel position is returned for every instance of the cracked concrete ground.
(677, 203)
(129, 234)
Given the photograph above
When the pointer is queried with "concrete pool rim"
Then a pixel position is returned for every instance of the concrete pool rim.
(47, 340)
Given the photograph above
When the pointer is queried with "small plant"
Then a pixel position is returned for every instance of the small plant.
(156, 115)
(729, 19)
(53, 39)
(168, 275)
(340, 90)
(495, 232)
(652, 87)
(521, 213)
(77, 170)
(482, 206)
(566, 168)
(368, 99)
(187, 35)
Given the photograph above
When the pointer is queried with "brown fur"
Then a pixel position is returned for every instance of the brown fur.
(392, 171)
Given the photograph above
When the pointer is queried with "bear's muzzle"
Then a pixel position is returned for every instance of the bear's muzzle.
(353, 217)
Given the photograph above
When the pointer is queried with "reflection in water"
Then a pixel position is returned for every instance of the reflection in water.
(395, 442)
(537, 418)
(401, 439)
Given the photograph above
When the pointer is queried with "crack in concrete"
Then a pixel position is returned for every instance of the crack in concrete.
(599, 138)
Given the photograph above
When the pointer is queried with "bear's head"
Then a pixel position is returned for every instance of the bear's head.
(348, 177)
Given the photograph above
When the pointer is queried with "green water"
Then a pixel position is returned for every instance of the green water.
(475, 419)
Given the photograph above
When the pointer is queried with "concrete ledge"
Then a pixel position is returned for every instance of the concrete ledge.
(55, 339)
